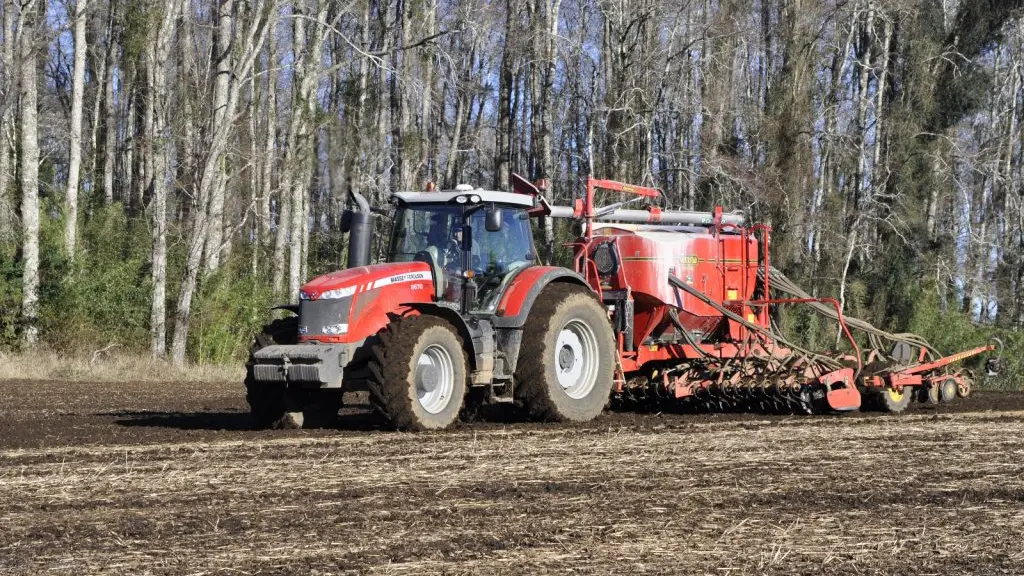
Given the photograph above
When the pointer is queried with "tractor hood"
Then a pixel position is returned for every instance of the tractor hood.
(356, 280)
(351, 305)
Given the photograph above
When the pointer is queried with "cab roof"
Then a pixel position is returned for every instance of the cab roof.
(446, 196)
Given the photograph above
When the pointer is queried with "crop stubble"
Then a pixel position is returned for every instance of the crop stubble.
(92, 482)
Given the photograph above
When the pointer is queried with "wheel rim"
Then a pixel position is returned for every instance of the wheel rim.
(576, 359)
(435, 379)
(896, 396)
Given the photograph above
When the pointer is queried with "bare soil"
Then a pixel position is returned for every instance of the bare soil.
(137, 478)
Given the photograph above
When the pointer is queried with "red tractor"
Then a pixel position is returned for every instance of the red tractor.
(673, 305)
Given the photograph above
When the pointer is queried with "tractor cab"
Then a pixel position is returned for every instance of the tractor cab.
(475, 241)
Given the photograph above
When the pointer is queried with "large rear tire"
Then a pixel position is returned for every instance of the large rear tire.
(418, 373)
(567, 360)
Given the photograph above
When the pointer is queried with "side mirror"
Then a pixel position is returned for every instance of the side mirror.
(492, 220)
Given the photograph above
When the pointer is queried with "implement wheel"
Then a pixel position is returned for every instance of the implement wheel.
(418, 373)
(947, 390)
(566, 362)
(893, 401)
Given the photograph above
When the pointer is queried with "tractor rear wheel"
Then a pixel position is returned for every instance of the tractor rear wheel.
(567, 359)
(418, 373)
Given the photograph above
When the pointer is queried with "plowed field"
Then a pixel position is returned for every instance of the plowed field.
(137, 478)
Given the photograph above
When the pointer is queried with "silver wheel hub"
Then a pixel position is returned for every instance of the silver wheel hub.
(576, 359)
(435, 379)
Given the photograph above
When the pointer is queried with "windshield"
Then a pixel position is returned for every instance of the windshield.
(436, 230)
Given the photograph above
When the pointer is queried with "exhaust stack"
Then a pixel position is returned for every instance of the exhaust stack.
(359, 226)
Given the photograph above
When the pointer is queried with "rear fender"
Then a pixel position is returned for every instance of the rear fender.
(522, 292)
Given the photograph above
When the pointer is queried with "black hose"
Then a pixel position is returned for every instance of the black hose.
(676, 282)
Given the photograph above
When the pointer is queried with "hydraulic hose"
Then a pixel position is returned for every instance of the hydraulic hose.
(677, 283)
(780, 282)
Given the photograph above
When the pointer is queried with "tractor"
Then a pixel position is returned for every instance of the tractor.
(659, 306)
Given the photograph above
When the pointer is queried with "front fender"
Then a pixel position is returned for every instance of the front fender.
(474, 346)
(517, 301)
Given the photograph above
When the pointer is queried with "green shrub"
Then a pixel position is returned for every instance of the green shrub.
(232, 306)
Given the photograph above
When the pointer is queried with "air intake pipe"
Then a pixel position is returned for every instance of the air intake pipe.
(359, 225)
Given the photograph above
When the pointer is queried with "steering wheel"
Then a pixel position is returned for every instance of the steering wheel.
(452, 255)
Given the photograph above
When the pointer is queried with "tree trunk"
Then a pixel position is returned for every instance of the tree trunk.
(546, 162)
(75, 157)
(99, 76)
(303, 150)
(424, 170)
(222, 56)
(157, 80)
(29, 144)
(357, 109)
(253, 37)
(401, 179)
(109, 119)
(8, 86)
(270, 143)
(506, 85)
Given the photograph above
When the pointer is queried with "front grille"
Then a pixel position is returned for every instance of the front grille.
(316, 316)
(322, 364)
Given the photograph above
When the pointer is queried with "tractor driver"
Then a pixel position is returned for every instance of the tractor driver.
(453, 250)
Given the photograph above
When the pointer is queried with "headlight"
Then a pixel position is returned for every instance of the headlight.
(460, 199)
(336, 329)
(338, 293)
(474, 198)
(303, 295)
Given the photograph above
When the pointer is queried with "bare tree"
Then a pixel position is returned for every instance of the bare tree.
(75, 154)
(223, 45)
(156, 79)
(253, 34)
(8, 87)
(28, 53)
(300, 153)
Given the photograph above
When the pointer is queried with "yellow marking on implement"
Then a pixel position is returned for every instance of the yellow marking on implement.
(751, 318)
(732, 294)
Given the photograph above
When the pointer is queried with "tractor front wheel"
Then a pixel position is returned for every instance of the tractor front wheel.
(418, 373)
(267, 402)
(567, 359)
(276, 405)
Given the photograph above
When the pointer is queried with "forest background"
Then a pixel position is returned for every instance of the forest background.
(169, 169)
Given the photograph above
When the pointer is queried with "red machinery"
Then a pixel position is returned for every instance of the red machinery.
(674, 305)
